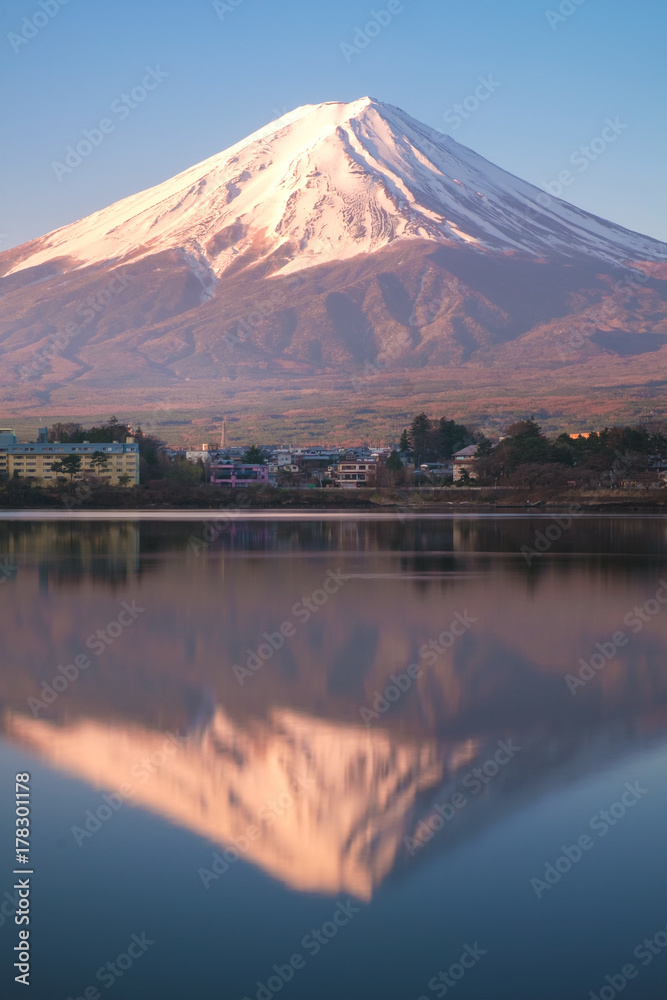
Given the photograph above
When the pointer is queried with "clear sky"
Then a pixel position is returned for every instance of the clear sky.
(555, 78)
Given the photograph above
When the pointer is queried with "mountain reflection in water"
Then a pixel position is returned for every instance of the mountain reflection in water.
(284, 767)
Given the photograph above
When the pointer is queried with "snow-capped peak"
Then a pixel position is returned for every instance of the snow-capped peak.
(327, 182)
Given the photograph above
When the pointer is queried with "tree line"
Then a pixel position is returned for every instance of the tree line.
(600, 458)
(525, 454)
(428, 440)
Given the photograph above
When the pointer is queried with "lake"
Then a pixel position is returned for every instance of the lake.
(332, 756)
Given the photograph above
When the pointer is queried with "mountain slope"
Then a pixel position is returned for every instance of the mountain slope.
(327, 182)
(332, 808)
(339, 237)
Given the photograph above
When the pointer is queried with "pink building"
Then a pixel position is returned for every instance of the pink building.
(236, 474)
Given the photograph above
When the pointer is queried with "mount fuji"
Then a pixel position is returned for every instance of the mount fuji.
(341, 246)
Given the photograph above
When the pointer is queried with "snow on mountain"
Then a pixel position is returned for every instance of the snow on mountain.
(322, 806)
(325, 183)
(341, 238)
(331, 803)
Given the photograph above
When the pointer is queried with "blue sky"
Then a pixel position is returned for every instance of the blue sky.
(556, 81)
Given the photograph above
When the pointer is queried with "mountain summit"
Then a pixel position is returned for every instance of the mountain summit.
(327, 182)
(338, 236)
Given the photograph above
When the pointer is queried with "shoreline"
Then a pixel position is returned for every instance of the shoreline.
(198, 504)
(468, 511)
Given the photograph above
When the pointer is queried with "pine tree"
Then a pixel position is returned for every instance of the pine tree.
(419, 435)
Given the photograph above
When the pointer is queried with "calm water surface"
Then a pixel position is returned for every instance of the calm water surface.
(342, 758)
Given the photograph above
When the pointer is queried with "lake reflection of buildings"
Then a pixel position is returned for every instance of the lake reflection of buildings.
(106, 550)
(466, 536)
(354, 535)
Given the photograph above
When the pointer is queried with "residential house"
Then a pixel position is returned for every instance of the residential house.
(199, 456)
(238, 474)
(350, 475)
(464, 461)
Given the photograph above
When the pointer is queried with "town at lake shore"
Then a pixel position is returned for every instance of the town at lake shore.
(118, 465)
